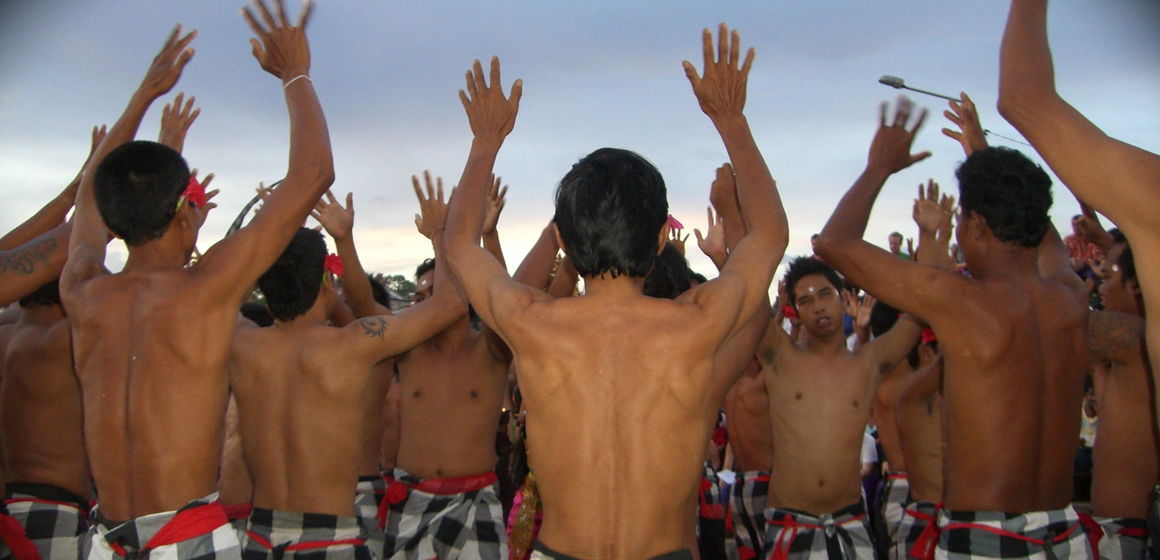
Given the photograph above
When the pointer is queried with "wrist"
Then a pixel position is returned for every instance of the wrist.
(730, 122)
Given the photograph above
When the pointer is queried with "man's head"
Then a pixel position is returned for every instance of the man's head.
(48, 294)
(670, 277)
(611, 209)
(1002, 190)
(137, 187)
(292, 284)
(814, 288)
(895, 240)
(1120, 291)
(424, 281)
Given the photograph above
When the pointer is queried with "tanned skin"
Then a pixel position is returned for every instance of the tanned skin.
(1119, 180)
(615, 403)
(298, 397)
(1006, 309)
(40, 403)
(747, 408)
(150, 343)
(1127, 462)
(919, 425)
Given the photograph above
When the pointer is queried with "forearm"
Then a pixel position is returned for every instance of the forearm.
(1026, 73)
(853, 212)
(33, 264)
(356, 287)
(536, 268)
(564, 283)
(311, 162)
(760, 206)
(48, 217)
(465, 217)
(927, 248)
(491, 243)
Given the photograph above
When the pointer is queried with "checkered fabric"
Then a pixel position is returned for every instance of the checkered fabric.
(1120, 538)
(198, 531)
(444, 518)
(277, 535)
(1041, 535)
(747, 502)
(368, 496)
(892, 500)
(53, 518)
(917, 516)
(844, 534)
(13, 542)
(710, 515)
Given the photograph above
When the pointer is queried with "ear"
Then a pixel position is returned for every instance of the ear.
(663, 237)
(559, 240)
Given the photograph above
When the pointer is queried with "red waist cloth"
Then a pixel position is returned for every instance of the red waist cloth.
(782, 546)
(12, 533)
(304, 545)
(185, 525)
(238, 511)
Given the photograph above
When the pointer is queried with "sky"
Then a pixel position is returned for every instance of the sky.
(596, 73)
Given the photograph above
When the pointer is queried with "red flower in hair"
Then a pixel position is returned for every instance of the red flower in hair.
(789, 312)
(194, 193)
(675, 223)
(928, 336)
(333, 265)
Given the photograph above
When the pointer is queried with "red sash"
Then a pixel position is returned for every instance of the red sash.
(187, 524)
(12, 533)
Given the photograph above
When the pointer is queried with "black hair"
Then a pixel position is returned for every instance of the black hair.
(423, 268)
(48, 294)
(670, 277)
(883, 317)
(257, 313)
(1009, 191)
(610, 208)
(801, 267)
(379, 292)
(291, 285)
(137, 187)
(1126, 263)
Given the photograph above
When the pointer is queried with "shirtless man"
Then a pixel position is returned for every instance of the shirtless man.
(1011, 423)
(919, 416)
(150, 343)
(301, 385)
(618, 408)
(1125, 458)
(751, 440)
(820, 395)
(1119, 180)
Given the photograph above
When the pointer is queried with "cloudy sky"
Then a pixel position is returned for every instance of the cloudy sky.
(596, 73)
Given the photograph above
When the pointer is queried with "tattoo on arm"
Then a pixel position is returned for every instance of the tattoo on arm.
(373, 326)
(25, 260)
(1110, 332)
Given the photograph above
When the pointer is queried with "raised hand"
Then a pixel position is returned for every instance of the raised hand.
(721, 90)
(723, 192)
(338, 221)
(167, 65)
(970, 133)
(677, 240)
(203, 210)
(432, 215)
(865, 309)
(496, 199)
(928, 213)
(890, 150)
(176, 120)
(98, 136)
(489, 112)
(713, 242)
(281, 49)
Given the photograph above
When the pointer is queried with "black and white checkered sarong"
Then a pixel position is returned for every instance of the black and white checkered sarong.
(277, 534)
(368, 495)
(917, 516)
(155, 535)
(432, 522)
(1040, 535)
(1122, 539)
(892, 500)
(843, 534)
(53, 518)
(747, 502)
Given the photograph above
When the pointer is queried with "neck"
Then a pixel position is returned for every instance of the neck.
(1004, 260)
(605, 285)
(834, 343)
(313, 317)
(165, 252)
(454, 334)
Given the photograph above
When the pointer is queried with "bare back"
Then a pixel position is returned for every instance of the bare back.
(1125, 454)
(451, 390)
(300, 405)
(616, 413)
(41, 420)
(919, 419)
(1014, 360)
(747, 410)
(150, 351)
(375, 422)
(885, 403)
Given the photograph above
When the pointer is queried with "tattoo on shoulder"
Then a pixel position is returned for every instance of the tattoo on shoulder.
(1110, 331)
(25, 260)
(373, 326)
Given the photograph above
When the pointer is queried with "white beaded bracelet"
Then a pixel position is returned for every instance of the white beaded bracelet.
(295, 79)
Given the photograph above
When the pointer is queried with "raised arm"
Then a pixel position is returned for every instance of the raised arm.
(339, 224)
(1115, 336)
(970, 131)
(86, 255)
(905, 285)
(33, 264)
(496, 199)
(536, 268)
(1092, 230)
(721, 93)
(281, 49)
(1118, 179)
(1053, 264)
(492, 116)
